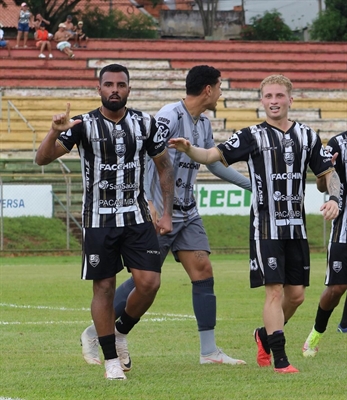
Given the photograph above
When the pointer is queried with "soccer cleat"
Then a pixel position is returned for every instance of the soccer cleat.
(310, 348)
(263, 358)
(114, 369)
(42, 56)
(90, 345)
(122, 350)
(218, 357)
(287, 370)
(340, 329)
(50, 56)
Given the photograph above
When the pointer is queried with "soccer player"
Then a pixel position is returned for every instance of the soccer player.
(278, 152)
(336, 273)
(188, 241)
(117, 227)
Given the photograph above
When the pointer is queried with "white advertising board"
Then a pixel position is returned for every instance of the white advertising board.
(26, 200)
(214, 198)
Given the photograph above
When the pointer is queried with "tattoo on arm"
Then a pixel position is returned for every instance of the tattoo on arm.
(334, 185)
(166, 182)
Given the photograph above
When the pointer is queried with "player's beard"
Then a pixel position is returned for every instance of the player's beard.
(113, 105)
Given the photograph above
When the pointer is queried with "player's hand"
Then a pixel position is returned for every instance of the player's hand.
(334, 157)
(330, 210)
(164, 225)
(180, 144)
(62, 122)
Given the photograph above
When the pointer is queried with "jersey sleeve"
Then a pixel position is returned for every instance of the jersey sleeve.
(155, 142)
(320, 162)
(237, 147)
(73, 136)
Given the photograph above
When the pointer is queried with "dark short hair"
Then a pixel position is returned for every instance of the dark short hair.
(199, 77)
(43, 24)
(114, 68)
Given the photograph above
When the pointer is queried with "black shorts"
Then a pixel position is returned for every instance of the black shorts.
(106, 250)
(279, 261)
(336, 273)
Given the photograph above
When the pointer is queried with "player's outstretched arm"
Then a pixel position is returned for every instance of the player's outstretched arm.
(50, 149)
(202, 156)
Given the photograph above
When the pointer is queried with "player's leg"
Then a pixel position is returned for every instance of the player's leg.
(191, 248)
(336, 286)
(102, 270)
(342, 326)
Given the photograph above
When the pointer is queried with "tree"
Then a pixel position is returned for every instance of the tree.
(207, 10)
(331, 24)
(270, 26)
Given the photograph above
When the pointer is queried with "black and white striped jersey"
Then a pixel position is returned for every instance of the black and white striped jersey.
(277, 163)
(175, 121)
(113, 163)
(338, 144)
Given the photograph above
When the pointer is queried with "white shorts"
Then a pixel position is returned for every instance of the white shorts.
(61, 45)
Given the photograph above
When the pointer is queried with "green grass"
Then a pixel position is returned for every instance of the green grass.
(226, 233)
(44, 307)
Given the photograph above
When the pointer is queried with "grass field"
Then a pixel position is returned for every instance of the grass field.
(44, 307)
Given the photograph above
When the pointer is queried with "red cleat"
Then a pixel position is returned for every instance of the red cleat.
(287, 370)
(263, 358)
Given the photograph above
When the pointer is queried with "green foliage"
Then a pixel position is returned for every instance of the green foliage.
(331, 24)
(116, 24)
(270, 26)
(36, 233)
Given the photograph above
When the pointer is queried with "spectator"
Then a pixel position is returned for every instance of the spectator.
(42, 37)
(62, 37)
(37, 22)
(70, 27)
(80, 35)
(4, 43)
(25, 17)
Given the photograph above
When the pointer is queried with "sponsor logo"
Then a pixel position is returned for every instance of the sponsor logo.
(157, 252)
(286, 176)
(99, 139)
(163, 128)
(124, 187)
(184, 185)
(164, 120)
(188, 165)
(337, 266)
(94, 260)
(118, 132)
(289, 158)
(259, 184)
(116, 203)
(268, 148)
(272, 262)
(86, 174)
(116, 167)
(287, 142)
(120, 149)
(294, 198)
(288, 214)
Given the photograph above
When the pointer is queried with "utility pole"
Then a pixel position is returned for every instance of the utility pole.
(319, 6)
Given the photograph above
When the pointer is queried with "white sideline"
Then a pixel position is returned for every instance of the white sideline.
(148, 317)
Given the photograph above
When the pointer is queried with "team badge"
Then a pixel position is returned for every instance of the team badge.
(337, 266)
(120, 149)
(272, 262)
(288, 158)
(94, 260)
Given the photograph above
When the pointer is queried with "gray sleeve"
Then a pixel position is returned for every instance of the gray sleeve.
(146, 180)
(229, 174)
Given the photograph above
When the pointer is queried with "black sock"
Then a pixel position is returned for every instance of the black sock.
(322, 318)
(264, 339)
(277, 342)
(125, 323)
(107, 344)
(343, 322)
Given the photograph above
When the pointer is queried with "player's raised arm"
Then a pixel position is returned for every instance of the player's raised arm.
(202, 156)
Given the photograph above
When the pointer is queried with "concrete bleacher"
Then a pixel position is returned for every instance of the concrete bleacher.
(40, 88)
